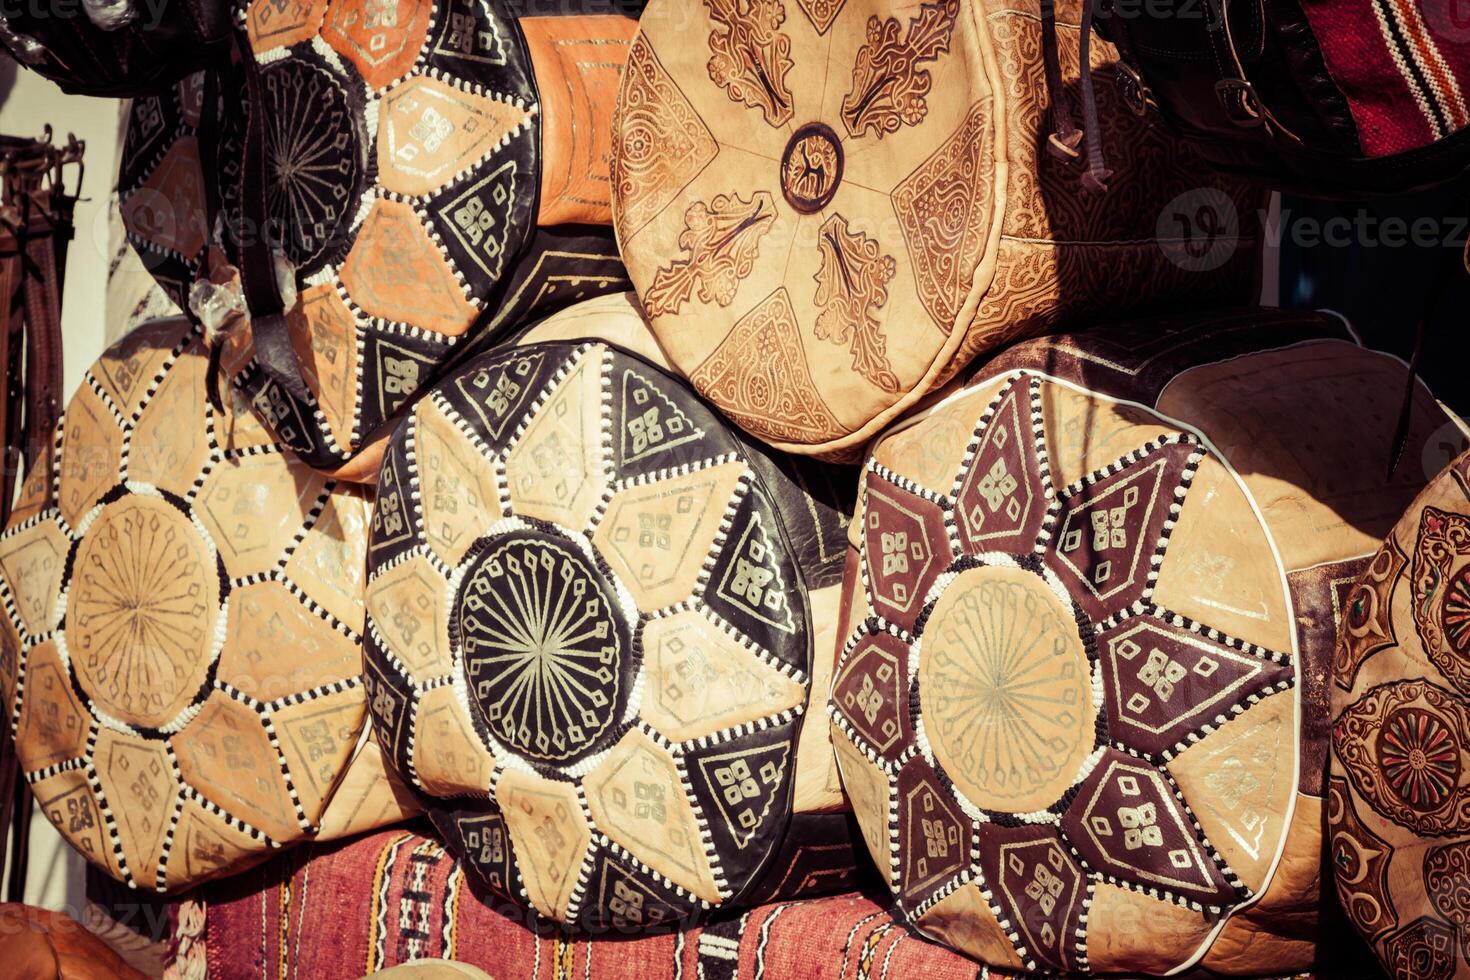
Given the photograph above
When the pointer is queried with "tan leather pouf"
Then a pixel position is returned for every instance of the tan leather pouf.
(181, 631)
(827, 208)
(1081, 710)
(1397, 796)
(594, 626)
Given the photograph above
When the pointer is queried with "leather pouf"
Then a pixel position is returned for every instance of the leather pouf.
(592, 639)
(1081, 710)
(827, 207)
(433, 173)
(1399, 820)
(182, 628)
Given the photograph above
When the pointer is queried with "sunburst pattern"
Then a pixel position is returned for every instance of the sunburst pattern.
(313, 161)
(1456, 614)
(1419, 758)
(622, 674)
(540, 648)
(143, 617)
(196, 690)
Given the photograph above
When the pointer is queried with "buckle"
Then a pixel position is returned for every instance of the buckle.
(1241, 103)
(1136, 94)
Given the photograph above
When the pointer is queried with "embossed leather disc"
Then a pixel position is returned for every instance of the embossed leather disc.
(1080, 709)
(589, 638)
(829, 206)
(181, 630)
(1398, 805)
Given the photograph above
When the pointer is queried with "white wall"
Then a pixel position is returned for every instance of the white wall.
(54, 875)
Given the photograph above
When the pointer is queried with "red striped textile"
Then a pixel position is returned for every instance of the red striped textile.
(348, 909)
(1404, 66)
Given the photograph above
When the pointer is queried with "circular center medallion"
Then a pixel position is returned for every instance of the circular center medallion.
(141, 612)
(314, 161)
(1419, 757)
(1455, 612)
(811, 168)
(1005, 690)
(544, 645)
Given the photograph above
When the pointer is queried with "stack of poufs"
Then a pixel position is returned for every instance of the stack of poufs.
(789, 521)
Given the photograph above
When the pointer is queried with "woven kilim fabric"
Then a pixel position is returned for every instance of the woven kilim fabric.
(328, 912)
(1402, 66)
(1081, 707)
(395, 896)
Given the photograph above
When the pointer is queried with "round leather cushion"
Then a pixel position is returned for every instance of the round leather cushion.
(403, 166)
(182, 625)
(588, 635)
(1399, 822)
(1080, 708)
(828, 208)
(402, 169)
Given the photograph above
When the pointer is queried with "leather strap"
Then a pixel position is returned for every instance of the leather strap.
(35, 229)
(269, 330)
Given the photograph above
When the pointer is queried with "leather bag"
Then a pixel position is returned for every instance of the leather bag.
(1328, 98)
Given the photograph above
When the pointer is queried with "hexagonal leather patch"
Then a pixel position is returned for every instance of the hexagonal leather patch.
(275, 646)
(548, 834)
(168, 210)
(382, 39)
(406, 604)
(635, 796)
(32, 561)
(127, 369)
(906, 549)
(324, 335)
(657, 535)
(226, 753)
(317, 739)
(91, 450)
(699, 679)
(138, 780)
(53, 724)
(430, 132)
(329, 564)
(448, 756)
(67, 801)
(457, 489)
(556, 470)
(253, 508)
(163, 452)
